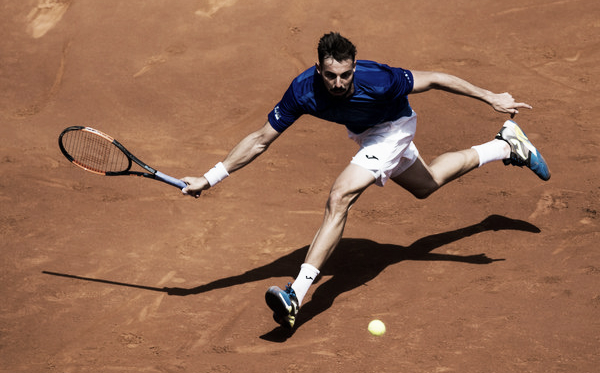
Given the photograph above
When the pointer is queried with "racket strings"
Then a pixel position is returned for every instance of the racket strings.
(95, 153)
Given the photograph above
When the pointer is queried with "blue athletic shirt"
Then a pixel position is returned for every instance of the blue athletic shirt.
(379, 96)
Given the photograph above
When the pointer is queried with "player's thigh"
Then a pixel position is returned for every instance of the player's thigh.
(350, 184)
(417, 179)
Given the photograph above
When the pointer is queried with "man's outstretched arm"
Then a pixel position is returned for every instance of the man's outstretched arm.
(501, 102)
(242, 154)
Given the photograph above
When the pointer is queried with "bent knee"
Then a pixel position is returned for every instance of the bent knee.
(340, 201)
(337, 200)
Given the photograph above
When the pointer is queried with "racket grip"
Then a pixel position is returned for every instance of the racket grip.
(170, 180)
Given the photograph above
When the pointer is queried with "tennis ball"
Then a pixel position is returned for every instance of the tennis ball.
(377, 327)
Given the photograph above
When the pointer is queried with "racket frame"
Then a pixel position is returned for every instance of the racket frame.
(151, 172)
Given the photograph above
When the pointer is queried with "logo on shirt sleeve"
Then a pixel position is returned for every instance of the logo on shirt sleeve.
(277, 113)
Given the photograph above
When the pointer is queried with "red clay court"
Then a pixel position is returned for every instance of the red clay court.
(496, 272)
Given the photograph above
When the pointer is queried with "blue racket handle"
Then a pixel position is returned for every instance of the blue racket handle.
(170, 180)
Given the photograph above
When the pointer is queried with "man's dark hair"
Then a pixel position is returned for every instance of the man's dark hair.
(337, 47)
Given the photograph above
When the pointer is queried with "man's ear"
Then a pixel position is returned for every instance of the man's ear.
(318, 67)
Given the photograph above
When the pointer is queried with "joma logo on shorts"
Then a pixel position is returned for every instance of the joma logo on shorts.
(371, 157)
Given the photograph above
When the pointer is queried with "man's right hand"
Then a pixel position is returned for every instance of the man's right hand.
(195, 186)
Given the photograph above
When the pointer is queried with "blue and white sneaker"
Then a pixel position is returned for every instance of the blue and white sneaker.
(522, 151)
(284, 304)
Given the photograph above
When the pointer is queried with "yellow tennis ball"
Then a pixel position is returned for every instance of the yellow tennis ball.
(377, 327)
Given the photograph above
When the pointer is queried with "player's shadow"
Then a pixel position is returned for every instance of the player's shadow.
(353, 263)
(358, 261)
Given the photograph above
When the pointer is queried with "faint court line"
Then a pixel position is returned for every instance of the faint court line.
(524, 8)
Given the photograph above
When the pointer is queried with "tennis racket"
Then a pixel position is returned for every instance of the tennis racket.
(99, 153)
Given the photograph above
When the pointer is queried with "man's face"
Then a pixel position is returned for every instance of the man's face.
(338, 76)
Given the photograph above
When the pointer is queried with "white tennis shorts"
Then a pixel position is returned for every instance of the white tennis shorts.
(387, 150)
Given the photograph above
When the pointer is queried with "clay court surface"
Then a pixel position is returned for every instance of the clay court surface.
(496, 272)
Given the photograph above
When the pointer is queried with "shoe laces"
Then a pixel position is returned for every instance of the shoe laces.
(289, 290)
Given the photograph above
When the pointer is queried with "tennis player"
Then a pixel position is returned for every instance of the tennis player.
(370, 99)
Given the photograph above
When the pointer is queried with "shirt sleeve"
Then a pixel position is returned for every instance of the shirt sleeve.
(403, 82)
(286, 112)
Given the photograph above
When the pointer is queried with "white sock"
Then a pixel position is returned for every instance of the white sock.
(495, 150)
(305, 278)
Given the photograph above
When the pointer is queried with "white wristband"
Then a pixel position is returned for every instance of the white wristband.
(216, 174)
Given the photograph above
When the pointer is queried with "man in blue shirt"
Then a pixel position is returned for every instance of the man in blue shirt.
(377, 94)
(370, 99)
